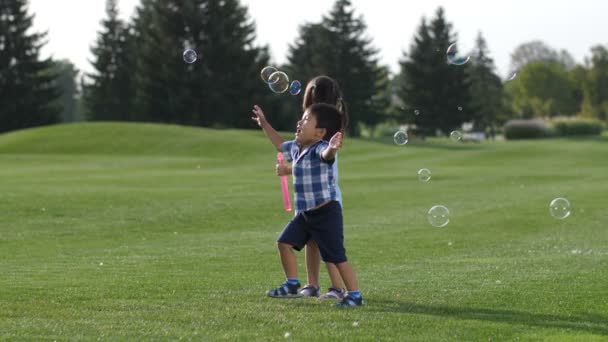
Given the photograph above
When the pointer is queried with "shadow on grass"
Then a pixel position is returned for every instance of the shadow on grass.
(592, 323)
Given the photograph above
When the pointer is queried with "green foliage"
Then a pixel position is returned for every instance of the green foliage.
(429, 84)
(595, 85)
(544, 89)
(66, 78)
(339, 47)
(109, 92)
(224, 79)
(537, 51)
(566, 126)
(487, 104)
(28, 89)
(141, 240)
(526, 129)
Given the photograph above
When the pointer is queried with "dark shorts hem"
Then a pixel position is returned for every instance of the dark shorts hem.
(293, 245)
(335, 261)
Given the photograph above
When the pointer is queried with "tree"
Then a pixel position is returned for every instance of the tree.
(109, 93)
(538, 51)
(28, 91)
(338, 47)
(595, 85)
(66, 81)
(428, 84)
(217, 89)
(544, 89)
(486, 88)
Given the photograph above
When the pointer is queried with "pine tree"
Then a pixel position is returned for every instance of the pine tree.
(217, 89)
(110, 93)
(28, 90)
(338, 47)
(431, 86)
(487, 101)
(66, 81)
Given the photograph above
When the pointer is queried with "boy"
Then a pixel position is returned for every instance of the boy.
(318, 214)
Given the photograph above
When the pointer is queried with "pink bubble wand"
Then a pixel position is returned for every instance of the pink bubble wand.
(284, 187)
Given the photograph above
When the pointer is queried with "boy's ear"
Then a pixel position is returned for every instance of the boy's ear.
(323, 131)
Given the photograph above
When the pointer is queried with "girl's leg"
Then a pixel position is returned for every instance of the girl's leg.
(313, 260)
(334, 276)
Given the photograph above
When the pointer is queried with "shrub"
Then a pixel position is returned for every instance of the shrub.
(576, 126)
(526, 129)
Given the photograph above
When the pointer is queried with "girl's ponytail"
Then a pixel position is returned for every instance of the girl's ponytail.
(344, 112)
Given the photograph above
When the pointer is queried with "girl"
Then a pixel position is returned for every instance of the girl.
(321, 89)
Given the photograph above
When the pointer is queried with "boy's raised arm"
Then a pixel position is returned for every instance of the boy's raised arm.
(334, 145)
(270, 132)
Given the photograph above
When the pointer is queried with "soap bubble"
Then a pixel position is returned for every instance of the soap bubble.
(400, 138)
(189, 56)
(295, 87)
(278, 82)
(560, 208)
(266, 72)
(456, 135)
(438, 216)
(454, 56)
(424, 175)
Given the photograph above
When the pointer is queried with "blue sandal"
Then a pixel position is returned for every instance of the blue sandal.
(285, 291)
(348, 301)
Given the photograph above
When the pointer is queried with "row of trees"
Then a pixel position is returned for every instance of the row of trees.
(139, 74)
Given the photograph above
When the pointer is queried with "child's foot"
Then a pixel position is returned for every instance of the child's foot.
(349, 300)
(309, 291)
(333, 293)
(286, 290)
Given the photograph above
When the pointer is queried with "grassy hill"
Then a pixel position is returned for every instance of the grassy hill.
(140, 231)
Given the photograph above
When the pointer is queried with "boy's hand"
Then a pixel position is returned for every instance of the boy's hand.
(335, 143)
(258, 115)
(283, 169)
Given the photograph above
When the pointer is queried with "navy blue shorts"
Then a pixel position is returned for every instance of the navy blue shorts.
(322, 225)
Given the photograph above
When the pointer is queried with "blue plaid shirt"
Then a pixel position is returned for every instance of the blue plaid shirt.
(314, 179)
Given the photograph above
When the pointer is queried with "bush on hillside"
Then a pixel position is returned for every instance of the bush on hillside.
(564, 126)
(526, 129)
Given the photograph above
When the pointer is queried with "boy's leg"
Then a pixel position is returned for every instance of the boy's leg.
(353, 296)
(327, 230)
(313, 261)
(288, 260)
(348, 275)
(292, 237)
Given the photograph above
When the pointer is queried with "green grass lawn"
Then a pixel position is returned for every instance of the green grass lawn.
(154, 232)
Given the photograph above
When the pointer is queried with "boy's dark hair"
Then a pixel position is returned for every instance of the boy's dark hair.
(324, 89)
(328, 117)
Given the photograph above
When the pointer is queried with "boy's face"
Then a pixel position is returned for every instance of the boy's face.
(307, 132)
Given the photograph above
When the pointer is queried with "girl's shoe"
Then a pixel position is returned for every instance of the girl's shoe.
(333, 293)
(309, 291)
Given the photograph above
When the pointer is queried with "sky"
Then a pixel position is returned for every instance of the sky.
(391, 24)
